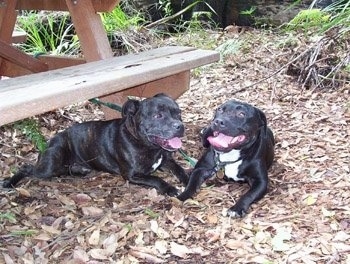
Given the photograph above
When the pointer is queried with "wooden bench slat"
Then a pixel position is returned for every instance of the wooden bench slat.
(38, 93)
(60, 5)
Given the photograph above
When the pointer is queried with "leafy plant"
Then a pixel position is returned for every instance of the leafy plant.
(307, 19)
(119, 20)
(48, 34)
(30, 128)
(322, 20)
(248, 12)
(165, 5)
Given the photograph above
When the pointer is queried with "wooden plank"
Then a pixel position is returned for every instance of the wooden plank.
(37, 93)
(90, 30)
(53, 62)
(18, 57)
(58, 62)
(13, 70)
(60, 5)
(19, 36)
(173, 85)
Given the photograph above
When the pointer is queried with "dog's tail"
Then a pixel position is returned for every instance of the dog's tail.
(23, 172)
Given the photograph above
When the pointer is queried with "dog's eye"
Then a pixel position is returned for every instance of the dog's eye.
(220, 110)
(241, 114)
(157, 116)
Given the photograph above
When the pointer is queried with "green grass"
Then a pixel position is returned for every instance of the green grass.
(48, 34)
(118, 20)
(229, 47)
(30, 128)
(7, 216)
(28, 232)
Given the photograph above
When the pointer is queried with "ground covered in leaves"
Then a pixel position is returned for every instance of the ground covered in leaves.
(305, 217)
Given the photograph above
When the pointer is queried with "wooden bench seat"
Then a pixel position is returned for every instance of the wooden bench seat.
(165, 69)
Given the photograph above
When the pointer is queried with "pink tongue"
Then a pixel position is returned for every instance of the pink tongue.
(222, 140)
(175, 142)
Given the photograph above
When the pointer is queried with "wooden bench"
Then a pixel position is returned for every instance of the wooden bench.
(165, 69)
(19, 36)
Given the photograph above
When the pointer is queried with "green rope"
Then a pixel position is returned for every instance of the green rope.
(190, 160)
(109, 105)
(37, 54)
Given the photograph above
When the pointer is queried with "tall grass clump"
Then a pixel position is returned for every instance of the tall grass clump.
(119, 20)
(48, 33)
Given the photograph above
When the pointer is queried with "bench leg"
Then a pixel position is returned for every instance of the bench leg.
(8, 16)
(173, 86)
(91, 33)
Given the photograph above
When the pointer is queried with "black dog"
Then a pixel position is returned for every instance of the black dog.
(240, 142)
(133, 146)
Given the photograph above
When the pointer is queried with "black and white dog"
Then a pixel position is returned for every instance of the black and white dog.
(133, 146)
(238, 141)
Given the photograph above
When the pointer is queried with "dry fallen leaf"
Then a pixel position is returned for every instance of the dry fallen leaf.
(179, 250)
(94, 239)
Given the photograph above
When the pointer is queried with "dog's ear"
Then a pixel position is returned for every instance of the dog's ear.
(130, 107)
(161, 95)
(205, 133)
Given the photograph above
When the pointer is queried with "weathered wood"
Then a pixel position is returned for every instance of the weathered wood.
(174, 86)
(8, 17)
(33, 94)
(18, 57)
(53, 62)
(19, 36)
(95, 46)
(60, 5)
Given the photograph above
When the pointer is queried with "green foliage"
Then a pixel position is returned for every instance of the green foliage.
(7, 216)
(248, 12)
(307, 19)
(30, 128)
(320, 21)
(28, 232)
(118, 20)
(165, 5)
(48, 34)
(340, 16)
(229, 47)
(151, 213)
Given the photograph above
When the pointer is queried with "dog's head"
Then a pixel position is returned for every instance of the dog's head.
(236, 125)
(156, 120)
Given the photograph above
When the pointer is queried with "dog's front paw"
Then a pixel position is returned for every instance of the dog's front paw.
(7, 183)
(236, 212)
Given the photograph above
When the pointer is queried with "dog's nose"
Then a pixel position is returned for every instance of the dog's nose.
(178, 125)
(219, 123)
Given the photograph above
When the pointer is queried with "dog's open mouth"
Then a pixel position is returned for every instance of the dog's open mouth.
(222, 141)
(168, 144)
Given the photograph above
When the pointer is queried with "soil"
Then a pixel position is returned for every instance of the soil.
(304, 218)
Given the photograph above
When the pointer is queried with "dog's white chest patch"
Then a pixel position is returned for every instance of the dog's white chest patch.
(233, 161)
(158, 162)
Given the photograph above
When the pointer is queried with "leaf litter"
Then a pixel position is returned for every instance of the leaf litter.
(100, 218)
